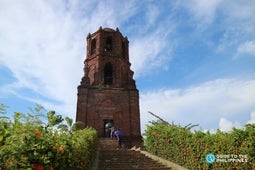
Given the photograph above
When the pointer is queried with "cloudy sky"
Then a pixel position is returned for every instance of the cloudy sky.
(194, 61)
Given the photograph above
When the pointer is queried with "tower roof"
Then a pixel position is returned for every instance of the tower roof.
(109, 29)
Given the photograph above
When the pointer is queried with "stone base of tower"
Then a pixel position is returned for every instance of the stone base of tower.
(106, 107)
(134, 141)
(131, 141)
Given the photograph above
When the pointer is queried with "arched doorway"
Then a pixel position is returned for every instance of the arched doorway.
(108, 123)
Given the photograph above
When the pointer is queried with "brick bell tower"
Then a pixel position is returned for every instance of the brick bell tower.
(107, 95)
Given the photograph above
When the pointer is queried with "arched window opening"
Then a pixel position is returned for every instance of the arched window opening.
(108, 80)
(123, 50)
(108, 44)
(93, 46)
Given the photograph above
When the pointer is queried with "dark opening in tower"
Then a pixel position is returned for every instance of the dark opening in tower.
(93, 46)
(108, 80)
(108, 44)
(123, 50)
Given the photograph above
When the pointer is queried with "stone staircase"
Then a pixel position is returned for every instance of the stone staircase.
(111, 158)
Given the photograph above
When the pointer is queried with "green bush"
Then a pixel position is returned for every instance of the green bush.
(27, 142)
(189, 149)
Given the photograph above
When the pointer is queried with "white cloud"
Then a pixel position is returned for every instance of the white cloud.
(239, 10)
(146, 52)
(246, 49)
(203, 11)
(237, 23)
(252, 120)
(43, 45)
(111, 13)
(42, 49)
(232, 12)
(226, 125)
(152, 14)
(221, 23)
(203, 104)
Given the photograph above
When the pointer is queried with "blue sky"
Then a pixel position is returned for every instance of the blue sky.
(194, 61)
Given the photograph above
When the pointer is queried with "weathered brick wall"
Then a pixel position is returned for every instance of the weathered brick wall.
(118, 104)
(119, 101)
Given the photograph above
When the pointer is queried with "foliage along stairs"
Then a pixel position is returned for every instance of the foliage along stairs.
(111, 158)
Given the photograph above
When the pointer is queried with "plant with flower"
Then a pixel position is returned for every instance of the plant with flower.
(30, 143)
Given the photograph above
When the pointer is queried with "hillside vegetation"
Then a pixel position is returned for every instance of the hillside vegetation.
(233, 150)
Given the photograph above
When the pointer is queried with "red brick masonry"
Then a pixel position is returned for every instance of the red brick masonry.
(108, 93)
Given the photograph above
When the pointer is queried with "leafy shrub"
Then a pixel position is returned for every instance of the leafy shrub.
(29, 143)
(189, 149)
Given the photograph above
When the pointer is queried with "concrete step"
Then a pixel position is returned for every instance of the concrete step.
(111, 158)
(108, 144)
